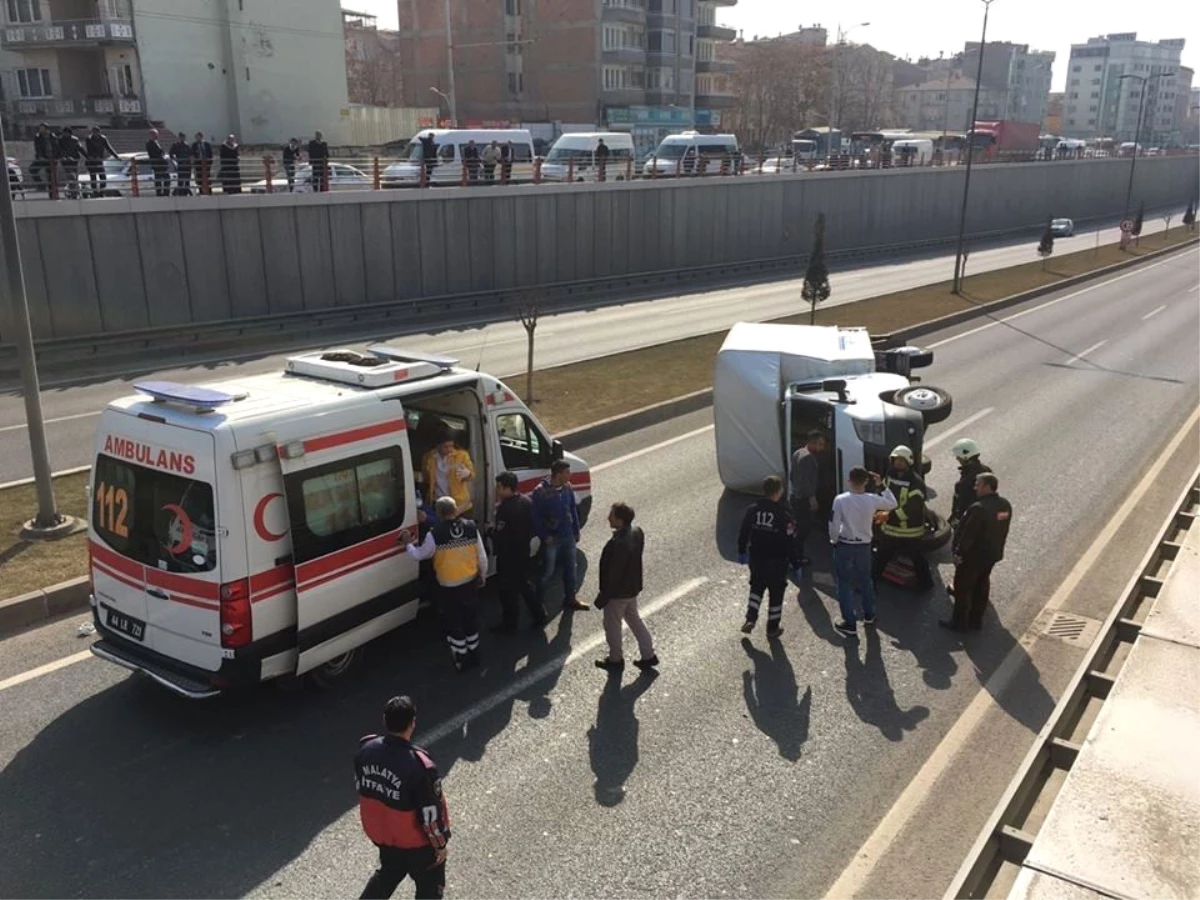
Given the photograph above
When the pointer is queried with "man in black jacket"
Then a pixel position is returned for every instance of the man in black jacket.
(70, 151)
(181, 152)
(620, 584)
(291, 156)
(97, 149)
(202, 156)
(45, 157)
(767, 541)
(318, 158)
(970, 467)
(978, 545)
(511, 540)
(158, 165)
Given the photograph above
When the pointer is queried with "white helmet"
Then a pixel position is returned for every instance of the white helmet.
(902, 452)
(964, 449)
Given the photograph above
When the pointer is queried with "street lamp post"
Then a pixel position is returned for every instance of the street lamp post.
(962, 220)
(452, 100)
(836, 118)
(1137, 129)
(449, 106)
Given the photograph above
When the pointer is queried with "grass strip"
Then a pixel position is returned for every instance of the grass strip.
(30, 565)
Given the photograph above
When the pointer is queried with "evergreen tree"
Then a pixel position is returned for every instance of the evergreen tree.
(816, 278)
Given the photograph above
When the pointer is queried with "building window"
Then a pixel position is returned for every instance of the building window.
(516, 82)
(24, 11)
(34, 83)
(663, 41)
(624, 37)
(1095, 94)
(512, 7)
(1070, 121)
(660, 79)
(621, 78)
(1077, 68)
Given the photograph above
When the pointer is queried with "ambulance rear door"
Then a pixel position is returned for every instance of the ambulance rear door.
(349, 485)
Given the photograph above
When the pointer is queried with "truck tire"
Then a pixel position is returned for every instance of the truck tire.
(937, 532)
(934, 404)
(334, 672)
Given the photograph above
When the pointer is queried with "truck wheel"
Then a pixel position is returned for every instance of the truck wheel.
(335, 671)
(937, 532)
(934, 404)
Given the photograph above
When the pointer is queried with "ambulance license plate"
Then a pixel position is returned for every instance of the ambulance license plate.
(128, 625)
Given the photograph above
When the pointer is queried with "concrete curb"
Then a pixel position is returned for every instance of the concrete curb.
(19, 613)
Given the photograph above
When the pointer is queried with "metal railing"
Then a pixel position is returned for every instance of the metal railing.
(68, 31)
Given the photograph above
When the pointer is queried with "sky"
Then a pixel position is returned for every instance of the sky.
(913, 28)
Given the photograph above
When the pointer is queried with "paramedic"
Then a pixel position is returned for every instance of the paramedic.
(460, 564)
(448, 471)
(966, 451)
(804, 480)
(978, 545)
(767, 541)
(401, 805)
(556, 523)
(511, 540)
(904, 527)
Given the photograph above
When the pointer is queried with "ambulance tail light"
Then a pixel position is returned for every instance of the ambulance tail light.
(237, 628)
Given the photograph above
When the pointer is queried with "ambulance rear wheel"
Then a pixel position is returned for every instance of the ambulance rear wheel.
(336, 670)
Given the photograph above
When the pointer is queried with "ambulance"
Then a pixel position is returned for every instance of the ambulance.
(249, 529)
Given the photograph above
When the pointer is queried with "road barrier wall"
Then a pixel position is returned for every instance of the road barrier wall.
(122, 265)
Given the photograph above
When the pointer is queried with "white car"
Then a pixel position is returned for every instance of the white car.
(341, 178)
(118, 175)
(1062, 227)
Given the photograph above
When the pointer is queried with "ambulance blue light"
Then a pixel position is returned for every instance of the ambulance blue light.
(189, 395)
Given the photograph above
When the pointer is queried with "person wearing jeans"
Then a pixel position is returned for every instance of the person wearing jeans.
(556, 523)
(620, 585)
(850, 532)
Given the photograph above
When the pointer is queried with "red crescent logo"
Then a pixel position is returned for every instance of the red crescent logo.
(260, 515)
(185, 541)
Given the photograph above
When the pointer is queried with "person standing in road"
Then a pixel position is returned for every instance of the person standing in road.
(978, 545)
(805, 476)
(556, 523)
(512, 538)
(181, 152)
(602, 160)
(460, 564)
(318, 158)
(70, 151)
(850, 531)
(158, 165)
(904, 527)
(202, 156)
(767, 542)
(291, 155)
(401, 806)
(491, 157)
(970, 467)
(620, 585)
(97, 149)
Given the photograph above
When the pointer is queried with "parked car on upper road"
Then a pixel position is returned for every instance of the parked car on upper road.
(341, 178)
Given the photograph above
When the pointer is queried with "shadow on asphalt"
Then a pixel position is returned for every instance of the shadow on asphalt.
(613, 739)
(869, 690)
(771, 695)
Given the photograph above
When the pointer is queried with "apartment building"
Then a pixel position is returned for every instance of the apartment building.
(261, 69)
(645, 66)
(1100, 103)
(1022, 74)
(944, 103)
(373, 76)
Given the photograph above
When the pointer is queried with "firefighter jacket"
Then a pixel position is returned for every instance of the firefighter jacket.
(981, 535)
(400, 800)
(964, 489)
(907, 520)
(457, 551)
(768, 533)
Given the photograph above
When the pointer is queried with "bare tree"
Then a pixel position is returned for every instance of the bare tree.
(528, 308)
(781, 87)
(373, 73)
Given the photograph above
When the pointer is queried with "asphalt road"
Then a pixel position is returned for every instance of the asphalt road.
(70, 410)
(748, 768)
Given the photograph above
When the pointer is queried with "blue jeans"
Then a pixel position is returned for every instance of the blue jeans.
(852, 564)
(561, 553)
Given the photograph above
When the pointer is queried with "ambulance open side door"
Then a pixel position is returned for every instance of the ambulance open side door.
(349, 490)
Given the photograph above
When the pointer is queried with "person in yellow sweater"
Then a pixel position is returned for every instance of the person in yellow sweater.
(449, 472)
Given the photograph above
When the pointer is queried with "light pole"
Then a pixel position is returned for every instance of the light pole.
(452, 100)
(1137, 129)
(836, 118)
(962, 221)
(449, 107)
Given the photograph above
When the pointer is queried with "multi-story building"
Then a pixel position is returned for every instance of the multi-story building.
(647, 66)
(373, 76)
(944, 104)
(1052, 123)
(1100, 103)
(217, 66)
(1022, 74)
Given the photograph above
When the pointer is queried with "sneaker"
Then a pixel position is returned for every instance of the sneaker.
(576, 604)
(747, 627)
(774, 631)
(646, 664)
(846, 629)
(868, 620)
(611, 665)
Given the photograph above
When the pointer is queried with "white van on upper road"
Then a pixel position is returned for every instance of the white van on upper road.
(249, 529)
(573, 157)
(449, 144)
(692, 153)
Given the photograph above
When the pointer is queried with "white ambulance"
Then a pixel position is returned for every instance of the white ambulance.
(248, 529)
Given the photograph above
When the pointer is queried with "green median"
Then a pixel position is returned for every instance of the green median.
(574, 395)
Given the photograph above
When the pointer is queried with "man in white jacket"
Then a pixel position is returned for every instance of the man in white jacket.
(850, 532)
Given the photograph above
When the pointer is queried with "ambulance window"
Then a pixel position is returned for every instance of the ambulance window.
(156, 518)
(345, 502)
(521, 444)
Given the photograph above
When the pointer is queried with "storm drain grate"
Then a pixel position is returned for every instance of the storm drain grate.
(1071, 629)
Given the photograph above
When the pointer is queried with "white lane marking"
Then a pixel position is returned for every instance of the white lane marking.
(1194, 287)
(920, 789)
(86, 415)
(651, 449)
(1136, 270)
(45, 670)
(1077, 357)
(950, 432)
(1153, 312)
(526, 678)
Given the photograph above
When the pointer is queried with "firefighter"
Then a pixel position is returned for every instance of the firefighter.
(460, 565)
(966, 451)
(978, 546)
(901, 532)
(767, 541)
(401, 806)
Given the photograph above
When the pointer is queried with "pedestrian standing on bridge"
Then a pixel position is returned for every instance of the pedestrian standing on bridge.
(851, 529)
(805, 475)
(158, 165)
(181, 152)
(460, 564)
(402, 807)
(291, 155)
(71, 151)
(767, 542)
(231, 166)
(978, 545)
(318, 160)
(97, 149)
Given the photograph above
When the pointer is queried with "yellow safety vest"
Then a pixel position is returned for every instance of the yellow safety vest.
(456, 560)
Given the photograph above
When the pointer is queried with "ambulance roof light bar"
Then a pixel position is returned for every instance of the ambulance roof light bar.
(201, 399)
(398, 354)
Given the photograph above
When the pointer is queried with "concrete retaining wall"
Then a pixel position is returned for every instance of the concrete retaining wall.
(99, 267)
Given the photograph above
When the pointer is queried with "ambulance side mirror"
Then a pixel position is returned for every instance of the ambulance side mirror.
(556, 451)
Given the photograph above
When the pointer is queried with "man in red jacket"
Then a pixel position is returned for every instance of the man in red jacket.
(402, 808)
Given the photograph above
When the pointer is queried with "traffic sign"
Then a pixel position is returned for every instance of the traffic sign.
(1127, 225)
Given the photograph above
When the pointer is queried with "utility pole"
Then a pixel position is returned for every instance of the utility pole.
(47, 523)
(452, 100)
(836, 118)
(1137, 130)
(962, 222)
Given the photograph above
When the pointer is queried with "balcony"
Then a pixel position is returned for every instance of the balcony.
(68, 33)
(628, 55)
(715, 65)
(73, 107)
(711, 100)
(716, 32)
(633, 96)
(624, 11)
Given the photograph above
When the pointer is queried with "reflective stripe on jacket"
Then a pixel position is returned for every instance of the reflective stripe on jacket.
(907, 520)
